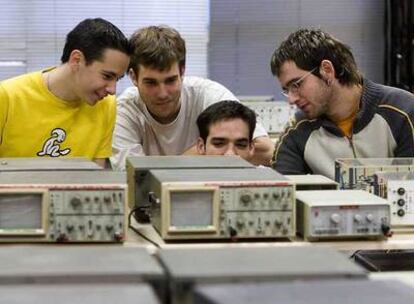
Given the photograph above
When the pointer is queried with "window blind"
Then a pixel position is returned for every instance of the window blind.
(32, 32)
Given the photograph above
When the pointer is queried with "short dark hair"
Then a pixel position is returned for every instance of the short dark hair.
(92, 37)
(308, 47)
(157, 47)
(225, 110)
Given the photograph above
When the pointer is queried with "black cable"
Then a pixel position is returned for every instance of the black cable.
(133, 211)
(353, 255)
(136, 230)
(144, 237)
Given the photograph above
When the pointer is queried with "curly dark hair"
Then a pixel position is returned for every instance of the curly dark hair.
(308, 47)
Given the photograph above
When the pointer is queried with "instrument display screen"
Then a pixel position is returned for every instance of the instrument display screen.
(21, 211)
(192, 209)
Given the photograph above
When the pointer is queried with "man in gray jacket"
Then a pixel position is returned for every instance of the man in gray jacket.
(343, 114)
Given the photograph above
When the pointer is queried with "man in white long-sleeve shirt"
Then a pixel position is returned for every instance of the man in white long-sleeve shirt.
(158, 115)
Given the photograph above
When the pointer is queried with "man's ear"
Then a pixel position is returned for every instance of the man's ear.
(251, 149)
(327, 70)
(76, 57)
(201, 148)
(182, 70)
(133, 76)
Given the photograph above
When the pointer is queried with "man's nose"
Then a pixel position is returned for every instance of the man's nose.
(111, 88)
(230, 150)
(162, 91)
(293, 98)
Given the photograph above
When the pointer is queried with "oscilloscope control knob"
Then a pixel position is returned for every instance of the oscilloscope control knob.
(401, 202)
(69, 227)
(335, 218)
(118, 236)
(357, 218)
(401, 212)
(75, 201)
(401, 191)
(278, 223)
(287, 193)
(232, 232)
(246, 198)
(369, 217)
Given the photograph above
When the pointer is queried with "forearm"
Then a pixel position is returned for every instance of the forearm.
(263, 151)
(286, 160)
(103, 162)
(191, 151)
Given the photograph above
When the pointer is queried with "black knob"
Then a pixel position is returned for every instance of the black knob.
(401, 191)
(232, 231)
(119, 237)
(62, 238)
(75, 201)
(401, 202)
(386, 229)
(69, 227)
(401, 212)
(246, 198)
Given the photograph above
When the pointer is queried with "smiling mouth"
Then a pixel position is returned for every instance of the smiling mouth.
(161, 103)
(98, 96)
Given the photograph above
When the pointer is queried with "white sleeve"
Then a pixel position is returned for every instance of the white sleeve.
(214, 92)
(127, 139)
(259, 130)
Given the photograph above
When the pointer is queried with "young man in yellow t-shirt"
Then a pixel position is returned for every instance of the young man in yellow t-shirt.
(68, 110)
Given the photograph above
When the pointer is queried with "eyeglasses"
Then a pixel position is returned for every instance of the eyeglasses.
(294, 87)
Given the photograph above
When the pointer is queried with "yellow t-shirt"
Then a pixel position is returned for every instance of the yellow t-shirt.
(34, 122)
